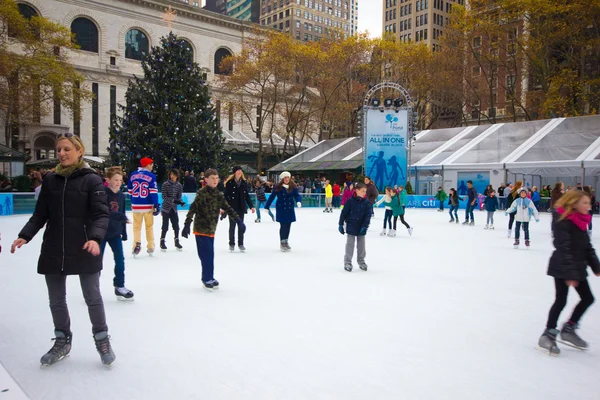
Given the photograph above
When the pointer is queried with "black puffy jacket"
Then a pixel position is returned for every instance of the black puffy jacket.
(74, 210)
(573, 253)
(237, 196)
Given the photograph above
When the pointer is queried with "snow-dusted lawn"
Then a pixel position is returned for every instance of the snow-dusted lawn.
(452, 312)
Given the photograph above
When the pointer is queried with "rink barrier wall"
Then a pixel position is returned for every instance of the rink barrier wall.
(24, 203)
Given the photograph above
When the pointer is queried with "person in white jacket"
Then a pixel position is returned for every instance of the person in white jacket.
(524, 209)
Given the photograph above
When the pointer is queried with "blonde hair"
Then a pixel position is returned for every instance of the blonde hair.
(230, 177)
(112, 171)
(74, 139)
(568, 202)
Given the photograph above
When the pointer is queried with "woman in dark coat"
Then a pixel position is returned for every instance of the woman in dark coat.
(72, 205)
(555, 195)
(286, 193)
(236, 194)
(568, 266)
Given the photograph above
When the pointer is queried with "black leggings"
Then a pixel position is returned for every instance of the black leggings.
(511, 219)
(284, 230)
(562, 290)
(387, 219)
(174, 218)
(401, 220)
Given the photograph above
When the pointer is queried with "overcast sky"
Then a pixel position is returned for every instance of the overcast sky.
(369, 16)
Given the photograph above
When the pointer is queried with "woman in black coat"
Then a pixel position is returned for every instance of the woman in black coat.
(238, 197)
(568, 267)
(72, 205)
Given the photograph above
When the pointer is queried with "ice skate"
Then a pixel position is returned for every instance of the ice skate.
(516, 244)
(383, 232)
(472, 223)
(178, 245)
(231, 248)
(392, 233)
(326, 210)
(137, 249)
(466, 222)
(163, 245)
(215, 284)
(283, 247)
(547, 342)
(440, 210)
(451, 221)
(60, 349)
(287, 245)
(123, 294)
(492, 227)
(509, 234)
(457, 220)
(363, 266)
(570, 337)
(210, 285)
(151, 252)
(104, 349)
(410, 231)
(487, 227)
(242, 248)
(527, 243)
(348, 267)
(257, 220)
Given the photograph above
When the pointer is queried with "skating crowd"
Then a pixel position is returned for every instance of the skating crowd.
(83, 212)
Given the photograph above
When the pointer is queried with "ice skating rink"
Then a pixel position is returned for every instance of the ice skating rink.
(452, 312)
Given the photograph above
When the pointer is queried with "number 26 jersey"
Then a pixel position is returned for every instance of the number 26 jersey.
(143, 190)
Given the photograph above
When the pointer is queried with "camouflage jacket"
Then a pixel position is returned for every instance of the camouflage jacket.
(205, 211)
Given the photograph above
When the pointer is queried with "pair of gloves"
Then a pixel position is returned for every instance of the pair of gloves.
(187, 228)
(298, 204)
(363, 230)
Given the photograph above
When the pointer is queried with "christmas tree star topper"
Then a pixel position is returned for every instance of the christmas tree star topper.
(169, 16)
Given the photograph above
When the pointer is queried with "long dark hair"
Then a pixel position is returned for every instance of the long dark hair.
(292, 185)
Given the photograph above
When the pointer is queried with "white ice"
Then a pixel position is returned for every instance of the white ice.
(452, 312)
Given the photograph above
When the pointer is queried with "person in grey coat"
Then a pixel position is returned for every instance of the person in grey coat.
(172, 191)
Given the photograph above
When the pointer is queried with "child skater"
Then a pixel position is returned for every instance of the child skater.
(328, 197)
(568, 264)
(441, 196)
(357, 216)
(491, 205)
(261, 199)
(205, 212)
(523, 208)
(398, 205)
(387, 218)
(172, 191)
(116, 233)
(286, 193)
(454, 201)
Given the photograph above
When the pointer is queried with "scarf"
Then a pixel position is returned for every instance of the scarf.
(580, 220)
(67, 171)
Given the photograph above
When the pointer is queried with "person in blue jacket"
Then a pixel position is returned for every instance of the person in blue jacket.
(116, 233)
(491, 206)
(471, 204)
(356, 214)
(286, 193)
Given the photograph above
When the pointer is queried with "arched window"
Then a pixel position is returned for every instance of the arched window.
(188, 48)
(27, 12)
(219, 56)
(86, 34)
(43, 147)
(136, 44)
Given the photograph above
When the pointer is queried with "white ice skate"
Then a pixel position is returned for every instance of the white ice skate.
(486, 227)
(392, 233)
(509, 234)
(410, 231)
(383, 232)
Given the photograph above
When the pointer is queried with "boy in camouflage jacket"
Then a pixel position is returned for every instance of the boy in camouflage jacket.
(205, 212)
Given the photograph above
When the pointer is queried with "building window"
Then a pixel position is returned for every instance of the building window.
(27, 12)
(230, 117)
(95, 142)
(77, 111)
(477, 42)
(136, 44)
(86, 34)
(113, 103)
(220, 55)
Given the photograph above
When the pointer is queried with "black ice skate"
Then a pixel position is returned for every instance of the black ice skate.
(209, 285)
(466, 222)
(137, 249)
(178, 245)
(60, 349)
(103, 346)
(547, 342)
(451, 220)
(571, 338)
(363, 266)
(215, 284)
(123, 294)
(257, 220)
(516, 244)
(163, 245)
(457, 220)
(348, 267)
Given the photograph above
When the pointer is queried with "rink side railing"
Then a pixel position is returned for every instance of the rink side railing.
(24, 203)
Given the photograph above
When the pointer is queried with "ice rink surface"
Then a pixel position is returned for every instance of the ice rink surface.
(452, 312)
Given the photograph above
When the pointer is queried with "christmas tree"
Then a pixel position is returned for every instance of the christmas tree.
(168, 116)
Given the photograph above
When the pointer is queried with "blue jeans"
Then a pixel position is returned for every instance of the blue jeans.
(454, 209)
(262, 203)
(388, 219)
(116, 245)
(518, 230)
(206, 253)
(469, 211)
